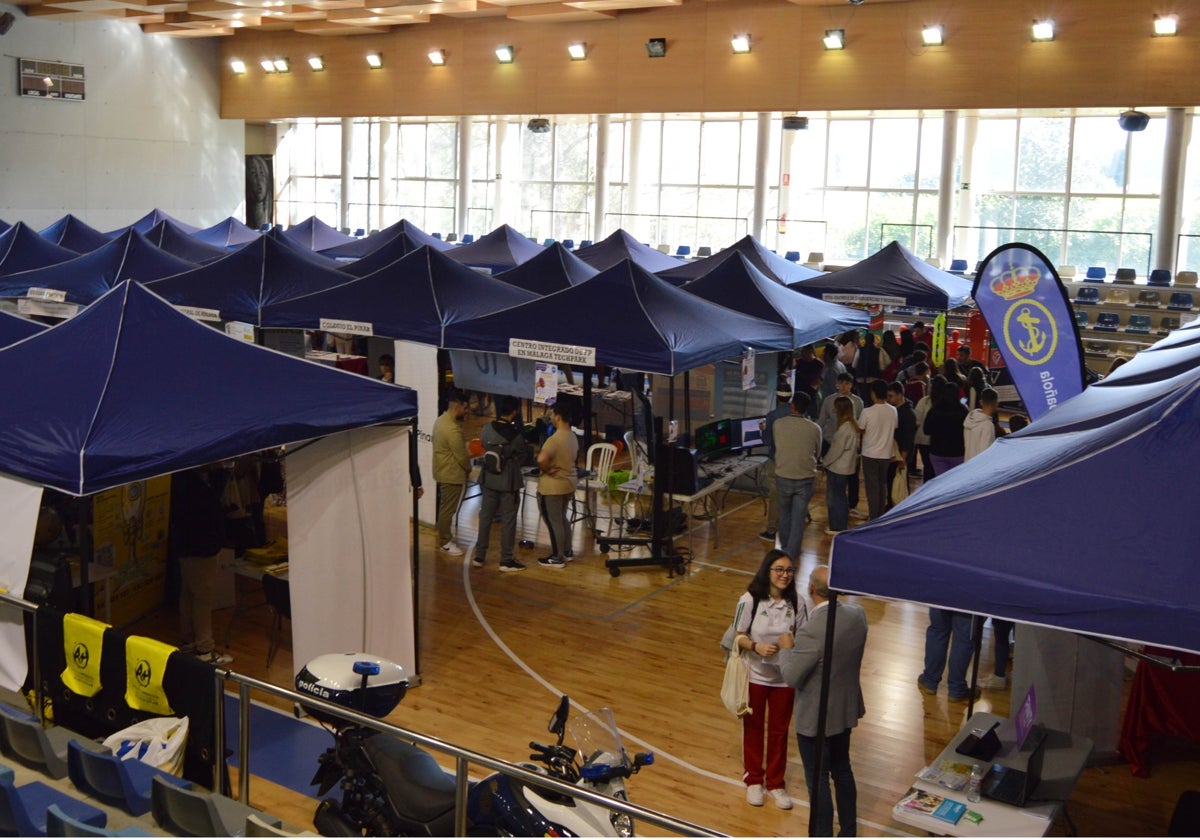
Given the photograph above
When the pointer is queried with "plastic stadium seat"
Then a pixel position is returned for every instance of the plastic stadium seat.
(1125, 275)
(569, 244)
(683, 251)
(1139, 324)
(816, 257)
(1108, 321)
(451, 237)
(1181, 301)
(98, 773)
(904, 310)
(664, 248)
(1087, 296)
(61, 824)
(928, 313)
(1067, 272)
(1151, 300)
(359, 233)
(29, 743)
(1159, 277)
(1098, 348)
(1096, 274)
(468, 238)
(704, 251)
(958, 266)
(265, 227)
(189, 813)
(547, 242)
(1168, 323)
(436, 235)
(792, 256)
(1081, 318)
(258, 827)
(586, 243)
(1185, 278)
(1120, 297)
(23, 809)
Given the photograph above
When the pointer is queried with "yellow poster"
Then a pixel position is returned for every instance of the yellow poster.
(130, 548)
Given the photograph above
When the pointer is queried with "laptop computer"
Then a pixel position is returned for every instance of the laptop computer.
(1016, 787)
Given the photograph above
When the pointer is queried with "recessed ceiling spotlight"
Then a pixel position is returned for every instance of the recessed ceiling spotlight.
(374, 60)
(268, 65)
(505, 54)
(437, 57)
(316, 63)
(577, 51)
(740, 43)
(1166, 24)
(1043, 30)
(835, 39)
(281, 65)
(933, 35)
(237, 66)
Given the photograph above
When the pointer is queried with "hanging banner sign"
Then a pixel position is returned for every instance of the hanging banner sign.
(49, 309)
(199, 313)
(881, 300)
(492, 373)
(352, 327)
(55, 295)
(547, 351)
(1030, 319)
(748, 369)
(938, 348)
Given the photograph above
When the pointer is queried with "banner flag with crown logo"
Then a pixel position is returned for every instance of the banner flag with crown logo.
(1033, 326)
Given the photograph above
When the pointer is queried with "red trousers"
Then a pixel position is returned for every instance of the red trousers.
(770, 712)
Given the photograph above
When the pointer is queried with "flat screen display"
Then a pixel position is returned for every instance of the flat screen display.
(748, 432)
(714, 439)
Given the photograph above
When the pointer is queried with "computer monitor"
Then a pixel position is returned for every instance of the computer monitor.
(714, 439)
(749, 432)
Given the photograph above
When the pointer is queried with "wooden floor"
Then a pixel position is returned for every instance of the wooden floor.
(496, 651)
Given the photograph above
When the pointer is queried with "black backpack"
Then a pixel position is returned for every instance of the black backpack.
(496, 456)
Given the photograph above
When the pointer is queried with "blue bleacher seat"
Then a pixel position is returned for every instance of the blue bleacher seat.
(103, 776)
(1159, 277)
(1151, 300)
(1181, 301)
(468, 238)
(436, 235)
(903, 310)
(359, 233)
(704, 251)
(586, 243)
(451, 237)
(61, 824)
(792, 256)
(683, 251)
(1125, 275)
(547, 242)
(569, 244)
(1108, 321)
(1138, 324)
(1098, 348)
(1087, 296)
(1096, 274)
(1168, 323)
(1081, 318)
(929, 313)
(265, 227)
(958, 266)
(23, 809)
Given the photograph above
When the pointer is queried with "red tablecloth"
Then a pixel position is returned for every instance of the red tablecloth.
(1161, 702)
(354, 364)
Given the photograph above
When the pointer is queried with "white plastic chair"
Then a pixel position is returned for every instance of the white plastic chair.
(598, 464)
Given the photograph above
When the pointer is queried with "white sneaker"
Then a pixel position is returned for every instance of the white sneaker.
(754, 795)
(452, 549)
(858, 514)
(993, 682)
(781, 798)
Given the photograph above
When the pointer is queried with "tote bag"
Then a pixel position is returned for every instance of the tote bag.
(735, 690)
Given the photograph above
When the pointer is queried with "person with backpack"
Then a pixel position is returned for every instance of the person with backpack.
(501, 483)
(769, 608)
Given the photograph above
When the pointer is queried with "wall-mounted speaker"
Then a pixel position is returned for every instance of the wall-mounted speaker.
(6, 22)
(539, 125)
(1132, 120)
(794, 123)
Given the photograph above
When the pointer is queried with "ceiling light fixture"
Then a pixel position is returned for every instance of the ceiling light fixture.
(1165, 24)
(835, 39)
(933, 35)
(1043, 30)
(505, 54)
(281, 65)
(656, 47)
(316, 63)
(268, 65)
(740, 43)
(437, 57)
(237, 66)
(577, 51)
(374, 60)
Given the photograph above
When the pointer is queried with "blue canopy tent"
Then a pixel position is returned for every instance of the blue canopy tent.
(173, 239)
(500, 250)
(130, 388)
(552, 270)
(152, 218)
(241, 284)
(22, 249)
(315, 235)
(620, 246)
(414, 299)
(396, 248)
(370, 244)
(70, 232)
(13, 328)
(761, 257)
(736, 284)
(4, 226)
(633, 319)
(227, 233)
(893, 276)
(1020, 536)
(128, 257)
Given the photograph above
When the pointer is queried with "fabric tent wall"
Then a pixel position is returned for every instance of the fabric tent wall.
(19, 504)
(416, 367)
(350, 542)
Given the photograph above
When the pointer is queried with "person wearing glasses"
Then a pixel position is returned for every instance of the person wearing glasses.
(769, 609)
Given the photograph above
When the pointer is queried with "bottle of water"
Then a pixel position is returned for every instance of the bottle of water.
(973, 787)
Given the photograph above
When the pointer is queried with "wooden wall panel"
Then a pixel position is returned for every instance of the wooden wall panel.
(1103, 56)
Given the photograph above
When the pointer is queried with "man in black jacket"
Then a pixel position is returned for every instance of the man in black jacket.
(197, 534)
(504, 442)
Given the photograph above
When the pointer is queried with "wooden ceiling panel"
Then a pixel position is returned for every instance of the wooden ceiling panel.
(556, 13)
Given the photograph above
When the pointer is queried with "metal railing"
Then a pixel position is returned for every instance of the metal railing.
(666, 227)
(1051, 240)
(463, 758)
(778, 229)
(556, 229)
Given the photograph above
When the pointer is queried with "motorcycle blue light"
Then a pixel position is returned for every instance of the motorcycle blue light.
(596, 772)
(367, 667)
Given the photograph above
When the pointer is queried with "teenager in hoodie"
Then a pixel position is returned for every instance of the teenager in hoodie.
(979, 429)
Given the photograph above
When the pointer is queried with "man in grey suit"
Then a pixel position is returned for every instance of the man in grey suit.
(800, 660)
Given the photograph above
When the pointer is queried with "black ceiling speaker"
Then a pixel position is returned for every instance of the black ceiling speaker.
(6, 22)
(794, 123)
(539, 125)
(1132, 120)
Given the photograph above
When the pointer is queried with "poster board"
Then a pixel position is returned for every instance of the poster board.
(130, 537)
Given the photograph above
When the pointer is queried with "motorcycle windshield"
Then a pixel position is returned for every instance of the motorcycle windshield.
(597, 739)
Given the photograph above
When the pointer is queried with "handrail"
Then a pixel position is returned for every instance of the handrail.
(463, 757)
(1064, 242)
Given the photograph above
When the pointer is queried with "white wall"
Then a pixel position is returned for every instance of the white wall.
(148, 135)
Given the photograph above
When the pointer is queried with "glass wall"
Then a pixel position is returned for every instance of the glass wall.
(1075, 185)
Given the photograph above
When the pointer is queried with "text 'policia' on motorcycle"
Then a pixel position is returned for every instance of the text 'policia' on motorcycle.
(392, 788)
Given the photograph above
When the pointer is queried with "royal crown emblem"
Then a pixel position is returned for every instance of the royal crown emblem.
(1016, 282)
